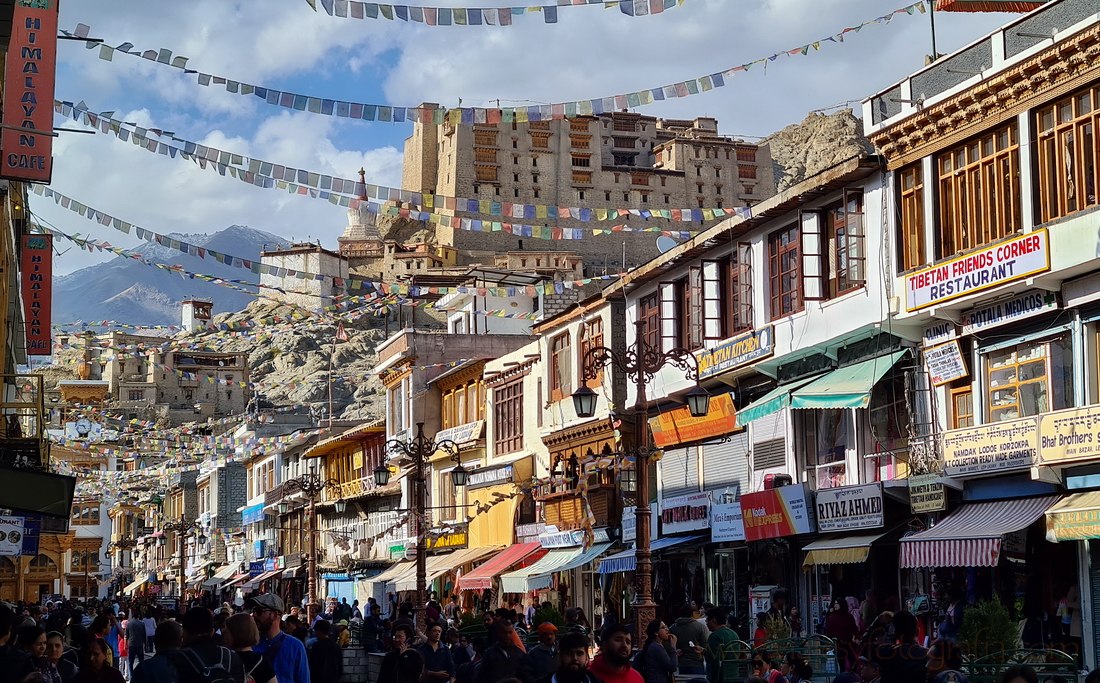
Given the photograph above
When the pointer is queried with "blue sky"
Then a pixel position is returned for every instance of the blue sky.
(591, 52)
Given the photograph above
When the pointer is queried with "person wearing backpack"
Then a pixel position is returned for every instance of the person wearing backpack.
(285, 653)
(160, 668)
(202, 660)
(241, 634)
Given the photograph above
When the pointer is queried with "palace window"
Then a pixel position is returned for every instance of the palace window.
(979, 195)
(1068, 172)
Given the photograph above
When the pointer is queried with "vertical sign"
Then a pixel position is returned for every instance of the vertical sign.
(28, 92)
(36, 265)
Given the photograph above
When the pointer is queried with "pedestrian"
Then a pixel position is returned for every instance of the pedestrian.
(15, 664)
(160, 668)
(953, 617)
(502, 659)
(841, 627)
(945, 662)
(659, 660)
(135, 637)
(372, 629)
(201, 659)
(241, 634)
(760, 635)
(720, 638)
(795, 669)
(410, 667)
(286, 654)
(95, 668)
(32, 639)
(764, 668)
(691, 636)
(439, 665)
(905, 662)
(326, 658)
(400, 640)
(542, 659)
(101, 628)
(55, 652)
(452, 610)
(1019, 674)
(612, 663)
(356, 613)
(572, 661)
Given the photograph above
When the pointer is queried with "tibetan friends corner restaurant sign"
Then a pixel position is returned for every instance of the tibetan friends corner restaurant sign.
(1006, 261)
(678, 426)
(736, 352)
(992, 448)
(778, 512)
(850, 507)
(26, 145)
(685, 513)
(36, 270)
(1069, 436)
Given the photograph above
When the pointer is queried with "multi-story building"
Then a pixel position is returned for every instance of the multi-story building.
(305, 257)
(611, 161)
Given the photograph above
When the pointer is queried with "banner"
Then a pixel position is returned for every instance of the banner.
(29, 76)
(1069, 436)
(678, 426)
(776, 513)
(997, 447)
(736, 352)
(11, 536)
(850, 507)
(726, 523)
(36, 271)
(1007, 261)
(681, 514)
(1026, 305)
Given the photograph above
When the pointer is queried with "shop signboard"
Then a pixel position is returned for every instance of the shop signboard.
(1069, 436)
(736, 352)
(570, 539)
(942, 331)
(450, 538)
(1007, 261)
(682, 514)
(778, 512)
(678, 426)
(11, 536)
(255, 568)
(29, 76)
(945, 363)
(529, 533)
(489, 476)
(926, 493)
(252, 514)
(36, 264)
(726, 523)
(1026, 305)
(847, 508)
(993, 448)
(630, 523)
(462, 434)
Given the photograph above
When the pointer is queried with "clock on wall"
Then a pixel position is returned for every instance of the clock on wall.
(83, 426)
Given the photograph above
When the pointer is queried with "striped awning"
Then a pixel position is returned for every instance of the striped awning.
(222, 575)
(627, 560)
(772, 402)
(136, 584)
(540, 574)
(840, 550)
(481, 578)
(971, 536)
(438, 565)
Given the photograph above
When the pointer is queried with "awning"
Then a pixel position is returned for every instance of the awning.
(257, 580)
(846, 387)
(1074, 518)
(221, 575)
(627, 561)
(136, 584)
(772, 402)
(971, 536)
(538, 575)
(438, 565)
(840, 549)
(293, 572)
(394, 571)
(239, 578)
(481, 578)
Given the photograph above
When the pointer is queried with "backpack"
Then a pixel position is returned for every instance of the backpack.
(248, 677)
(199, 671)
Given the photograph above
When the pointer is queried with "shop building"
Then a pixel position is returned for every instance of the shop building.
(993, 171)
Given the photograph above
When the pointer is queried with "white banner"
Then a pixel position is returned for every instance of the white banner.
(850, 507)
(11, 536)
(726, 523)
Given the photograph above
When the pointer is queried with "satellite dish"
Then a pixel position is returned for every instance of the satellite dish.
(664, 243)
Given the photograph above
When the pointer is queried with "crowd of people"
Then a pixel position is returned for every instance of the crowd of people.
(258, 642)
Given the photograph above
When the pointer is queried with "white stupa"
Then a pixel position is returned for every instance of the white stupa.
(361, 238)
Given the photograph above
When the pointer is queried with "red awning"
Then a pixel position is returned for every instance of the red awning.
(481, 578)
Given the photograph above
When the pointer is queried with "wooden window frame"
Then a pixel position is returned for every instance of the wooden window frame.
(508, 418)
(649, 312)
(958, 419)
(847, 255)
(911, 216)
(714, 294)
(777, 250)
(591, 337)
(691, 309)
(978, 185)
(561, 370)
(738, 285)
(1064, 155)
(671, 300)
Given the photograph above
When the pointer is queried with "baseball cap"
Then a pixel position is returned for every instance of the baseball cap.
(546, 627)
(268, 601)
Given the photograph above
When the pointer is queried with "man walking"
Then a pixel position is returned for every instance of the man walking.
(438, 663)
(136, 639)
(326, 659)
(284, 653)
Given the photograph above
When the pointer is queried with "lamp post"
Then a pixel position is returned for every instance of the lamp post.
(311, 485)
(419, 450)
(639, 363)
(183, 528)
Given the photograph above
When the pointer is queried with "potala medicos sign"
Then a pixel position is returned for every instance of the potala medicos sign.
(1007, 261)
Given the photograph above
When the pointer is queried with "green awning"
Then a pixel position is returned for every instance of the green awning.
(772, 402)
(847, 387)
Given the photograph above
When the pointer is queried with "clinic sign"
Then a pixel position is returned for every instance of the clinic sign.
(736, 352)
(26, 141)
(992, 448)
(847, 508)
(1001, 263)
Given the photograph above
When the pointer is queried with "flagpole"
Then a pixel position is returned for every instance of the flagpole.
(331, 355)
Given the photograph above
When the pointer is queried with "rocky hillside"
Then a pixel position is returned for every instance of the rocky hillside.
(820, 141)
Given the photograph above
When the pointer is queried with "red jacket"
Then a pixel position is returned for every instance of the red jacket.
(610, 674)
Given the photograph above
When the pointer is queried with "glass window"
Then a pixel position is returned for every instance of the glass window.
(1029, 379)
(911, 207)
(826, 437)
(561, 369)
(1067, 151)
(784, 272)
(962, 408)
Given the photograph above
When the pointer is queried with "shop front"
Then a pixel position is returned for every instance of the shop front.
(566, 575)
(727, 565)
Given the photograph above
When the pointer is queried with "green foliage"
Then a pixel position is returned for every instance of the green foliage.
(467, 619)
(551, 614)
(777, 628)
(987, 629)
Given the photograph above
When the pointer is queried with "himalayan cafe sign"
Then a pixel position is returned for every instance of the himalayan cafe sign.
(26, 145)
(36, 271)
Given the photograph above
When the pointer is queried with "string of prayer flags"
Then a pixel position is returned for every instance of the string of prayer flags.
(479, 16)
(437, 115)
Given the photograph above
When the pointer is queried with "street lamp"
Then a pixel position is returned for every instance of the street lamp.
(419, 450)
(639, 363)
(312, 485)
(182, 528)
